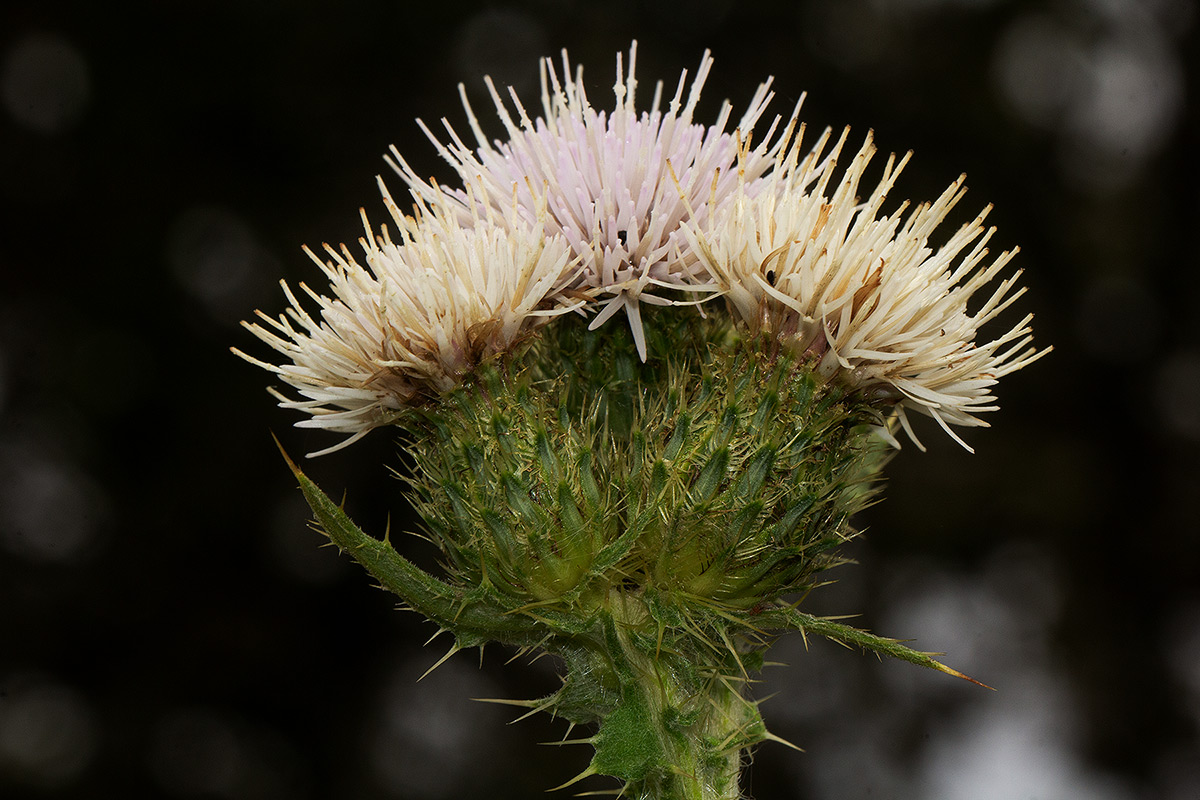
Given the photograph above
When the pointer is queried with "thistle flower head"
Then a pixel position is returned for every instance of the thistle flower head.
(587, 208)
(649, 522)
(419, 316)
(617, 185)
(799, 255)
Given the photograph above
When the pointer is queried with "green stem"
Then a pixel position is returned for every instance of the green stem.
(678, 732)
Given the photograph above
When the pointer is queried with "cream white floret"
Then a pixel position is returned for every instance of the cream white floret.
(801, 255)
(422, 312)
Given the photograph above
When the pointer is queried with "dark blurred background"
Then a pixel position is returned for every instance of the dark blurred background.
(170, 627)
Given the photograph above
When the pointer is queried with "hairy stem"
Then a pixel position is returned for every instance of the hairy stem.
(678, 730)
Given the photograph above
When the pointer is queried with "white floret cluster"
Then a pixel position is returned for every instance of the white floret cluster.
(590, 211)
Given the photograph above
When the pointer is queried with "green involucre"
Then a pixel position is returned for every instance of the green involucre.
(649, 523)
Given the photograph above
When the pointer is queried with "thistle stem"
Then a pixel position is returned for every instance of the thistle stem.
(677, 732)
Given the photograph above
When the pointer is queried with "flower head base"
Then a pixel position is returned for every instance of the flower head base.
(617, 185)
(422, 313)
(800, 256)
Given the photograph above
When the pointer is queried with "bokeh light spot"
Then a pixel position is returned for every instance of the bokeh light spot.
(428, 736)
(196, 751)
(1022, 746)
(44, 83)
(217, 258)
(47, 732)
(1106, 79)
(49, 509)
(1178, 387)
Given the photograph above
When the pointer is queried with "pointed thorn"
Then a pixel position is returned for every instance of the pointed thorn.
(587, 773)
(288, 459)
(440, 661)
(955, 673)
(770, 737)
(534, 706)
(503, 701)
(439, 632)
(530, 713)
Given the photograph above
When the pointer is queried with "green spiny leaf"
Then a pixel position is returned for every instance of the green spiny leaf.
(427, 595)
(845, 634)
